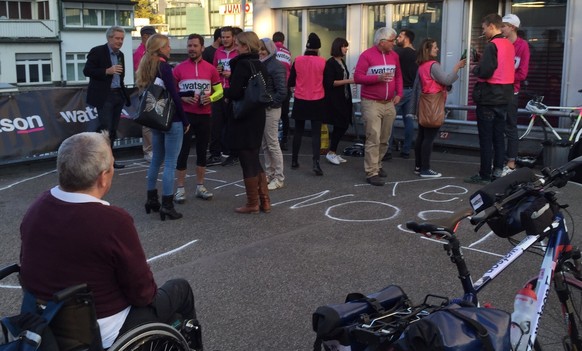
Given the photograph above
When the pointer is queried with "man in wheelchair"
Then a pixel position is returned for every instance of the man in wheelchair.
(71, 236)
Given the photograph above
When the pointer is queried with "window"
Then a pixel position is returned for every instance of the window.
(75, 62)
(424, 19)
(328, 23)
(43, 10)
(96, 15)
(33, 68)
(16, 9)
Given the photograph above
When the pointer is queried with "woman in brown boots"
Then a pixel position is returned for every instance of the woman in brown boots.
(245, 134)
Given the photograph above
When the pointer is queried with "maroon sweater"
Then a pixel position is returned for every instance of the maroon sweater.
(65, 244)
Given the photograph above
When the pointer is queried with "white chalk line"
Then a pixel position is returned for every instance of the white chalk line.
(26, 180)
(168, 253)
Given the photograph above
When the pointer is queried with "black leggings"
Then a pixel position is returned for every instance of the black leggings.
(423, 146)
(173, 300)
(250, 162)
(200, 128)
(315, 138)
(336, 136)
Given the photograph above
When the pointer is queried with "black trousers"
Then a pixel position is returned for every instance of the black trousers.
(174, 301)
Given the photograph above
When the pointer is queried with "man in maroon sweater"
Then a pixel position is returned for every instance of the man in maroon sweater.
(71, 236)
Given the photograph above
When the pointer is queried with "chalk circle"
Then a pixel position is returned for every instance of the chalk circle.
(394, 211)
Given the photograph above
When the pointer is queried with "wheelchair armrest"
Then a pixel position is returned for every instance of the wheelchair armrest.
(69, 292)
(6, 271)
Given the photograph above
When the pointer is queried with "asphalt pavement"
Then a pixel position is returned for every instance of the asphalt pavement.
(258, 278)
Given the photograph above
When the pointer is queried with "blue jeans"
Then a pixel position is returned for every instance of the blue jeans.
(402, 109)
(166, 147)
(491, 127)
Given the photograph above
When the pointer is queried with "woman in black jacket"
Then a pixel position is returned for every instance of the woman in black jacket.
(245, 134)
(338, 97)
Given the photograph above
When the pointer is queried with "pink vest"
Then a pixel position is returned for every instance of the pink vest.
(505, 72)
(429, 85)
(309, 82)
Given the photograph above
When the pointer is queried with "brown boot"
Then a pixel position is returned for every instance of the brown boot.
(264, 193)
(252, 189)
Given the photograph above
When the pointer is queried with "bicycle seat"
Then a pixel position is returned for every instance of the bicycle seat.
(536, 107)
(447, 224)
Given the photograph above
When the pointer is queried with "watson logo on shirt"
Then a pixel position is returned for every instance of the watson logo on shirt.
(377, 70)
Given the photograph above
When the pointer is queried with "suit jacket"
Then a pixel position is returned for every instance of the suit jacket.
(98, 60)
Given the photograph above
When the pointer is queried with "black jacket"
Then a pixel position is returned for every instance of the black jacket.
(98, 60)
(485, 93)
(247, 132)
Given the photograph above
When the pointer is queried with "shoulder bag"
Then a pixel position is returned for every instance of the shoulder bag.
(255, 95)
(431, 109)
(156, 107)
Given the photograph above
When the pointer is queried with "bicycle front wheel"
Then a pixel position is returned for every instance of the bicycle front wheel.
(553, 334)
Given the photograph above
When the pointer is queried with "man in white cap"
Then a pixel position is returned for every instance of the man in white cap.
(509, 29)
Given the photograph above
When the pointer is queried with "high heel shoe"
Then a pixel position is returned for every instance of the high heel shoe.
(167, 208)
(316, 168)
(153, 203)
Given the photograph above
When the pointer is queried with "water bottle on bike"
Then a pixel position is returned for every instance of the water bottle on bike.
(524, 308)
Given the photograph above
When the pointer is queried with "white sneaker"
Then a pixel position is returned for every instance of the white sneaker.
(180, 196)
(275, 184)
(506, 171)
(341, 159)
(203, 193)
(332, 158)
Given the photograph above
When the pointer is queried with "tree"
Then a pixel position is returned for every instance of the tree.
(145, 9)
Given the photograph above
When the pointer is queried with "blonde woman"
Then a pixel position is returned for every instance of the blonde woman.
(166, 145)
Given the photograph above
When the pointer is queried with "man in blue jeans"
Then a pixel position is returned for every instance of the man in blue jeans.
(492, 94)
(407, 55)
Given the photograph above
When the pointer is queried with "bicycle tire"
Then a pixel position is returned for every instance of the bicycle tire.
(552, 331)
(151, 337)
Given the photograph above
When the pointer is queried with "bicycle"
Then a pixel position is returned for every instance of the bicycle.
(538, 111)
(561, 265)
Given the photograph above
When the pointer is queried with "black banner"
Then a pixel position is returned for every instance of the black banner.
(36, 122)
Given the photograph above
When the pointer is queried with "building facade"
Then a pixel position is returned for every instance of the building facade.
(46, 42)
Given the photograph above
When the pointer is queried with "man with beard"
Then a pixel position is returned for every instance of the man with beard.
(222, 108)
(199, 85)
(408, 65)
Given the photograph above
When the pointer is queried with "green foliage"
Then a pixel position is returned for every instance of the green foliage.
(145, 9)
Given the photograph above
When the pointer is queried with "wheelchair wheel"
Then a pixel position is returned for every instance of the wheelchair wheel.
(151, 337)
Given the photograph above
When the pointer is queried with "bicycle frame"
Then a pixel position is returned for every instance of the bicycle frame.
(574, 134)
(558, 245)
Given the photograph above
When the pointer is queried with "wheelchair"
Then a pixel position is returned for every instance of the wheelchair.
(68, 323)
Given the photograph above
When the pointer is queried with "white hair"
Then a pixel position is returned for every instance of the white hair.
(384, 33)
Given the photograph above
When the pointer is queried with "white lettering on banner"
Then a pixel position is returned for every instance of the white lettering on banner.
(377, 70)
(231, 9)
(82, 116)
(22, 125)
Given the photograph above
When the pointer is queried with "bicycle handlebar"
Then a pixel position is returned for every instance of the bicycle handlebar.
(552, 178)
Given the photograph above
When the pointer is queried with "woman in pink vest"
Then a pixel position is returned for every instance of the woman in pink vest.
(431, 79)
(307, 78)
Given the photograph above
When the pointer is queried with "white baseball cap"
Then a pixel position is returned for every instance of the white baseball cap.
(511, 19)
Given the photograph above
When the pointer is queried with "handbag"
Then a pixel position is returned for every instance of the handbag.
(255, 95)
(156, 107)
(431, 109)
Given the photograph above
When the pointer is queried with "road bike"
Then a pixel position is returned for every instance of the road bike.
(557, 325)
(538, 112)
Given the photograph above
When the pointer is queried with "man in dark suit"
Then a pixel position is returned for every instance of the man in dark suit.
(106, 91)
